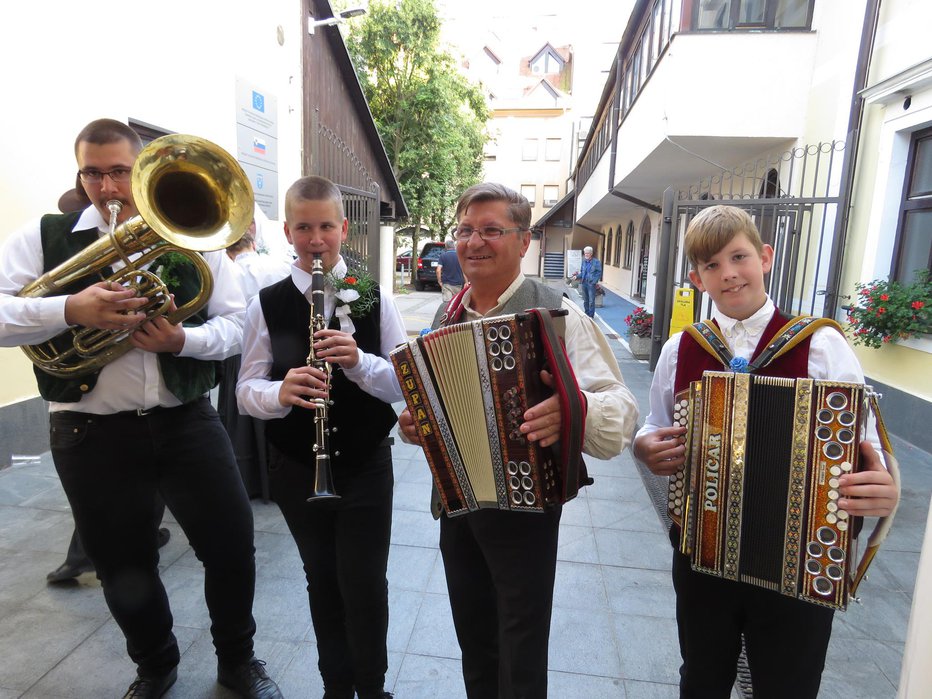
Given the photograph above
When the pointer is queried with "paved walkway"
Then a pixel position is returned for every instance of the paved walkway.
(613, 635)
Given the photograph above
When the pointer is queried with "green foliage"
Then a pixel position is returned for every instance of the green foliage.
(431, 119)
(889, 311)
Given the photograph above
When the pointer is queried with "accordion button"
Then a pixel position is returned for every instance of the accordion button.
(842, 514)
(832, 506)
(832, 495)
(842, 526)
(835, 470)
(833, 483)
(831, 518)
(846, 466)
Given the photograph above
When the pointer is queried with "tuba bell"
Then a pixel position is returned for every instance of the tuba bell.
(192, 196)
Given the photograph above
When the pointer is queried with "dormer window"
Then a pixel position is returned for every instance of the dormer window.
(547, 62)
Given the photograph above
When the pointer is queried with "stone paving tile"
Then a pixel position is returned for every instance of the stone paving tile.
(637, 591)
(32, 642)
(410, 567)
(429, 677)
(582, 638)
(651, 690)
(433, 632)
(568, 684)
(579, 586)
(648, 647)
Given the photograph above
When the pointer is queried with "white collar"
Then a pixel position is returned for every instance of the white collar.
(754, 325)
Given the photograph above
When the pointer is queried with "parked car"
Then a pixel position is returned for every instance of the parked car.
(403, 261)
(426, 271)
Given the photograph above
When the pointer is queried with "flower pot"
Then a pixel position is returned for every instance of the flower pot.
(639, 346)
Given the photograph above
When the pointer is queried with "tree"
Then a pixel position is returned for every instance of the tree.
(431, 119)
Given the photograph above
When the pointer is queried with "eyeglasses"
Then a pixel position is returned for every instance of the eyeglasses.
(464, 233)
(117, 174)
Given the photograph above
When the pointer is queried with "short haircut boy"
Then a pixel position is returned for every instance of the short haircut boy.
(713, 228)
(519, 210)
(313, 188)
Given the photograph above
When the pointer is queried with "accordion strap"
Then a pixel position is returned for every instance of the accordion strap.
(572, 403)
(709, 337)
(884, 523)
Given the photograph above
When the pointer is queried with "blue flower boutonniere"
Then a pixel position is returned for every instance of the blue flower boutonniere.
(739, 365)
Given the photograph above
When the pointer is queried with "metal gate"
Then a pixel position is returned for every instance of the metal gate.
(334, 159)
(793, 199)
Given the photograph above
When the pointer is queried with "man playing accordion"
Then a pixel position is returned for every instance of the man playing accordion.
(500, 564)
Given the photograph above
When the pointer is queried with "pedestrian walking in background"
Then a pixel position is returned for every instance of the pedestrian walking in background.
(589, 275)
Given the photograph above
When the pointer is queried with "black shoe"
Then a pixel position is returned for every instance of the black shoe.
(151, 687)
(69, 571)
(164, 536)
(249, 680)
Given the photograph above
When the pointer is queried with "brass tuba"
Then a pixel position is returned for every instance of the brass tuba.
(192, 196)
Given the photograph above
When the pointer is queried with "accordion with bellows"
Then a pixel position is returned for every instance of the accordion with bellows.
(467, 387)
(757, 500)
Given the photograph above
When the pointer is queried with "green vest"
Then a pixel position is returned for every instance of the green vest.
(185, 377)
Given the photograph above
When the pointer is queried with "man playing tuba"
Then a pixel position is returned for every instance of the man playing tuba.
(141, 426)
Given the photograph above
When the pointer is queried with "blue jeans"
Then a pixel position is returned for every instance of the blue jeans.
(587, 289)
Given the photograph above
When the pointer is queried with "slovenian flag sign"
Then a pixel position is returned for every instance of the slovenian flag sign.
(258, 146)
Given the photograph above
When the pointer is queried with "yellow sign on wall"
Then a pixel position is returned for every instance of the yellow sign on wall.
(682, 315)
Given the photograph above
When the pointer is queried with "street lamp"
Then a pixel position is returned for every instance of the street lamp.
(338, 18)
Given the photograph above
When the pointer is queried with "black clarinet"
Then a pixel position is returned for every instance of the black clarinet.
(323, 476)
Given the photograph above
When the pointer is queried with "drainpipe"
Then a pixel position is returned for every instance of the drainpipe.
(855, 117)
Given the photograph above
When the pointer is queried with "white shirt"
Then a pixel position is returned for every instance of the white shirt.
(133, 380)
(612, 410)
(260, 271)
(257, 394)
(830, 359)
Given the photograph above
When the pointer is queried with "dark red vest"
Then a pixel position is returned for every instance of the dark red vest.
(692, 359)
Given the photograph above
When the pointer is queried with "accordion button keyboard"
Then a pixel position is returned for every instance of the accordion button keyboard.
(846, 466)
(842, 526)
(842, 514)
(831, 518)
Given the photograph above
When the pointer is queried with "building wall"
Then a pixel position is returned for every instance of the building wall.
(904, 368)
(174, 66)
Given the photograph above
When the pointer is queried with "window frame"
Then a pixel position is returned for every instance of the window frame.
(907, 205)
(531, 200)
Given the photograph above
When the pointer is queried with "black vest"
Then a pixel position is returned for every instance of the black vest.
(185, 377)
(358, 421)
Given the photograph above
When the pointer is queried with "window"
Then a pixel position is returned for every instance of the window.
(912, 250)
(617, 258)
(629, 245)
(529, 149)
(752, 14)
(552, 149)
(551, 194)
(546, 63)
(529, 192)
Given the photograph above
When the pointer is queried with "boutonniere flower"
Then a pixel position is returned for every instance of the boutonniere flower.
(356, 290)
(739, 365)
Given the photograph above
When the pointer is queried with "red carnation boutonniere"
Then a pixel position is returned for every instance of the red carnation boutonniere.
(356, 290)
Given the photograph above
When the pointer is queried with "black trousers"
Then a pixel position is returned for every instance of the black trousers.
(786, 639)
(344, 547)
(500, 569)
(116, 471)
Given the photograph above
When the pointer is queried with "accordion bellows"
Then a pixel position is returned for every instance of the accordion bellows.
(467, 387)
(758, 499)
